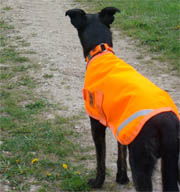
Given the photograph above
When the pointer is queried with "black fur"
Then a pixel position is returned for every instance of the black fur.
(159, 136)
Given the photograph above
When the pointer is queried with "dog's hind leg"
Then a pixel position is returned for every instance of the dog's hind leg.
(169, 151)
(142, 164)
(143, 154)
(98, 134)
(121, 176)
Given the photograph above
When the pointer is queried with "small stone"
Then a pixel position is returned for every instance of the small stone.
(50, 116)
(76, 126)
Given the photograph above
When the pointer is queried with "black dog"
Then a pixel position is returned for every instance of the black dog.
(159, 135)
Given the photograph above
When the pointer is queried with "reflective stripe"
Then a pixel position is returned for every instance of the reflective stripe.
(132, 117)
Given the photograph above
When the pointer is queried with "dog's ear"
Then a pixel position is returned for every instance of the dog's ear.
(107, 15)
(78, 17)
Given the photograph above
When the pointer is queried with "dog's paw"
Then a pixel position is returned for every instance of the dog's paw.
(122, 179)
(95, 183)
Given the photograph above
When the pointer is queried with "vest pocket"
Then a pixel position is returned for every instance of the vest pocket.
(99, 104)
(94, 104)
(89, 97)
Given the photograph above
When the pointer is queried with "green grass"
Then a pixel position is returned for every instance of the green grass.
(7, 8)
(33, 148)
(26, 135)
(4, 26)
(74, 180)
(48, 76)
(11, 55)
(155, 23)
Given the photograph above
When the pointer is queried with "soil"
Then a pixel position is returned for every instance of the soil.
(43, 24)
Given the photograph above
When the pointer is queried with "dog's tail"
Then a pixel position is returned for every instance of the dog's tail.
(170, 152)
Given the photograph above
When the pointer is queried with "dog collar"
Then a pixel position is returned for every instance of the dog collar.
(98, 49)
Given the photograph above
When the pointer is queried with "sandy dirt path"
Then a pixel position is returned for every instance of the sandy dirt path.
(43, 24)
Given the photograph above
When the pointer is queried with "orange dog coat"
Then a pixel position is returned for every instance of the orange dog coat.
(121, 98)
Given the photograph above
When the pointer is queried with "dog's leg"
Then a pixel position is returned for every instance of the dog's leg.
(169, 171)
(143, 154)
(98, 134)
(142, 162)
(169, 152)
(121, 176)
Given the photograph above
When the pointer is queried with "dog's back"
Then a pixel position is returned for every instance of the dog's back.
(129, 99)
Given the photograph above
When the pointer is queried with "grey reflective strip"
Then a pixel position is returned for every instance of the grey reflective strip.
(132, 117)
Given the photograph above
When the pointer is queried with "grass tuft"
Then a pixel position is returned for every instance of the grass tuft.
(7, 8)
(73, 180)
(11, 55)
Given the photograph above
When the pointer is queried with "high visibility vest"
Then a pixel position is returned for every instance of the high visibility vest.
(119, 97)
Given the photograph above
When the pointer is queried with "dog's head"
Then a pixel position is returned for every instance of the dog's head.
(93, 29)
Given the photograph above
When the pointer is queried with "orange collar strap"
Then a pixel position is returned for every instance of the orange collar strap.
(98, 49)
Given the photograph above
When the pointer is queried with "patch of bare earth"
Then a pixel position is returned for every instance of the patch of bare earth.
(44, 25)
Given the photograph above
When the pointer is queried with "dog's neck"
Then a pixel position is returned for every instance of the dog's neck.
(94, 35)
(98, 50)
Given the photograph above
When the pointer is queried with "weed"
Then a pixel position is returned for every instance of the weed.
(47, 76)
(11, 55)
(7, 8)
(36, 105)
(24, 43)
(3, 41)
(67, 87)
(20, 68)
(73, 180)
(4, 26)
(27, 81)
(6, 75)
(34, 34)
(4, 94)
